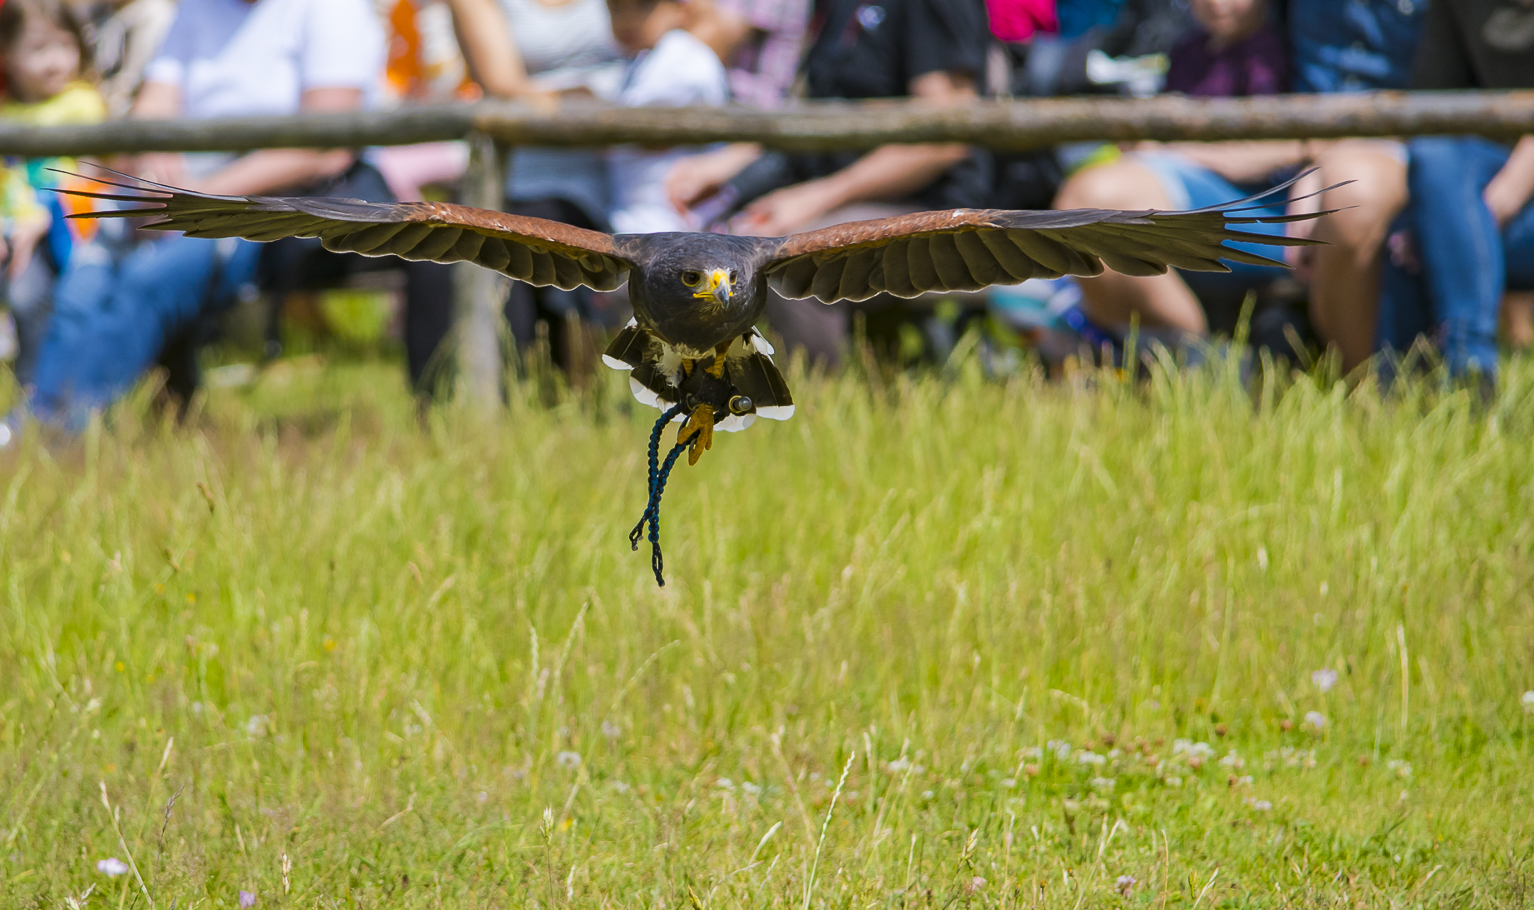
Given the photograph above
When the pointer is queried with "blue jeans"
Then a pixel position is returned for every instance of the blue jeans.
(112, 315)
(1468, 262)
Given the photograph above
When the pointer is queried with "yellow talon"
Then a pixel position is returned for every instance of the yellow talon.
(700, 429)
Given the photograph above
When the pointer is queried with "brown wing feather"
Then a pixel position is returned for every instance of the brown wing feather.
(529, 249)
(969, 249)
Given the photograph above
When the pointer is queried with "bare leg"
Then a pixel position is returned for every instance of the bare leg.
(1345, 277)
(1112, 299)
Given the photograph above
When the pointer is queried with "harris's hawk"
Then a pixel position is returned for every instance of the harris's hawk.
(692, 348)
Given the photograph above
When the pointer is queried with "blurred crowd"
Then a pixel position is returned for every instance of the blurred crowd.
(1434, 243)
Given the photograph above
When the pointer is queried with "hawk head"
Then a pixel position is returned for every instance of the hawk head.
(696, 290)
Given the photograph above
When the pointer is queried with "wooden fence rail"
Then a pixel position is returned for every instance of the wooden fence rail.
(493, 126)
(818, 126)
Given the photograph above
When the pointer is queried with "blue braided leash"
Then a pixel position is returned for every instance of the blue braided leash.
(657, 484)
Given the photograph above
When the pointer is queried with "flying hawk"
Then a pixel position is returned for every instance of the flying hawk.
(692, 348)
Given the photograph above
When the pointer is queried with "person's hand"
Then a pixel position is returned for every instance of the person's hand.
(168, 168)
(697, 177)
(24, 241)
(787, 210)
(1505, 200)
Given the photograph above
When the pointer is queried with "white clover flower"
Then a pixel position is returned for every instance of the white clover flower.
(1401, 768)
(1008, 783)
(111, 867)
(725, 783)
(1324, 679)
(1244, 780)
(1232, 760)
(610, 730)
(1315, 719)
(1528, 701)
(1125, 884)
(1091, 758)
(1102, 783)
(1201, 750)
(1172, 781)
(926, 794)
(620, 786)
(1179, 746)
(257, 725)
(1060, 747)
(751, 789)
(897, 766)
(1033, 752)
(1114, 754)
(1259, 805)
(570, 761)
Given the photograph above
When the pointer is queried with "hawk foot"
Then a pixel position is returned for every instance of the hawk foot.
(699, 430)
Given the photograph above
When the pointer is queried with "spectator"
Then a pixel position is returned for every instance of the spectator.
(760, 42)
(931, 50)
(115, 312)
(538, 50)
(1471, 210)
(671, 67)
(1236, 47)
(44, 51)
(1362, 45)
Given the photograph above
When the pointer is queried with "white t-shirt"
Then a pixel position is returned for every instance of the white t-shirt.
(231, 58)
(680, 70)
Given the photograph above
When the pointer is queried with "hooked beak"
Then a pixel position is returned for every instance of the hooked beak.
(717, 287)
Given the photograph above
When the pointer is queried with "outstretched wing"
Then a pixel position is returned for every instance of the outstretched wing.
(533, 250)
(970, 249)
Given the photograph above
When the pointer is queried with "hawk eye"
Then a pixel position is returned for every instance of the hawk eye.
(692, 278)
(734, 276)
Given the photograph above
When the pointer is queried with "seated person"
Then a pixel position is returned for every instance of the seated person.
(1367, 45)
(114, 313)
(932, 50)
(1235, 49)
(1472, 199)
(671, 67)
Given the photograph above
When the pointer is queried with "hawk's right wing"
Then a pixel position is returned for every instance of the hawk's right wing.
(533, 250)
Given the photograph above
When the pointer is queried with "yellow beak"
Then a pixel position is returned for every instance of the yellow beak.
(718, 287)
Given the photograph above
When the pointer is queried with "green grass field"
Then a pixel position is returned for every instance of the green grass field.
(934, 643)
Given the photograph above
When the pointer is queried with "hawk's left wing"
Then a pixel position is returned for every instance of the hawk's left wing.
(970, 249)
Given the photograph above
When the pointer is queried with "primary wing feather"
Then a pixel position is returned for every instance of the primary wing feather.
(970, 249)
(534, 250)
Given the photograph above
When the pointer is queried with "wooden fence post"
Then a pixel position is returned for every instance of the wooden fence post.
(478, 294)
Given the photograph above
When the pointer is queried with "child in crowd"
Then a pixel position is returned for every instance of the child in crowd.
(43, 54)
(671, 67)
